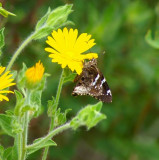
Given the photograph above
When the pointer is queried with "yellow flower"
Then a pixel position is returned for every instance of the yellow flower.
(5, 82)
(66, 48)
(35, 73)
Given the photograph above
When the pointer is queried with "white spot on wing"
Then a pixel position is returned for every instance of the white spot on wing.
(102, 82)
(96, 79)
(109, 92)
(80, 90)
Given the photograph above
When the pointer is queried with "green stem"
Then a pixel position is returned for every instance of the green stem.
(25, 135)
(57, 98)
(52, 118)
(18, 51)
(20, 142)
(49, 136)
(19, 145)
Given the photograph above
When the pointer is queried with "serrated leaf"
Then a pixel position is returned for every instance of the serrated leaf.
(152, 42)
(42, 145)
(88, 116)
(2, 43)
(51, 107)
(42, 21)
(60, 118)
(6, 124)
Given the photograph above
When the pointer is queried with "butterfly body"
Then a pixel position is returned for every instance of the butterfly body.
(92, 82)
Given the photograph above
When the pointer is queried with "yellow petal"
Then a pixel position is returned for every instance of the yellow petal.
(2, 70)
(89, 56)
(3, 97)
(5, 82)
(51, 50)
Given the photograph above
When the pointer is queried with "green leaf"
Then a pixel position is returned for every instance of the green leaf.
(6, 124)
(14, 154)
(51, 107)
(42, 145)
(68, 75)
(19, 102)
(1, 151)
(59, 15)
(4, 12)
(42, 32)
(41, 84)
(60, 118)
(14, 74)
(35, 102)
(2, 43)
(42, 21)
(7, 153)
(27, 108)
(35, 98)
(152, 42)
(52, 20)
(21, 80)
(9, 112)
(88, 116)
(23, 106)
(16, 127)
(67, 23)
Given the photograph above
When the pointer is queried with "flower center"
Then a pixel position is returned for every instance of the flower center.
(71, 56)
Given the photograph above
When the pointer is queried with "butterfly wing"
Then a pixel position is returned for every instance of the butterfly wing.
(83, 82)
(92, 82)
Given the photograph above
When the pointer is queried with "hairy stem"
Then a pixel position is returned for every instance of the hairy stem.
(56, 105)
(49, 135)
(25, 135)
(18, 51)
(19, 142)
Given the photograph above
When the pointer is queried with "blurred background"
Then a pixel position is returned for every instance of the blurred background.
(130, 65)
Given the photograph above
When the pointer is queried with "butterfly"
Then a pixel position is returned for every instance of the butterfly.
(92, 82)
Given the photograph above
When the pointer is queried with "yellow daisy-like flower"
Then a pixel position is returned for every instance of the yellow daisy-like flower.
(35, 73)
(5, 82)
(67, 48)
